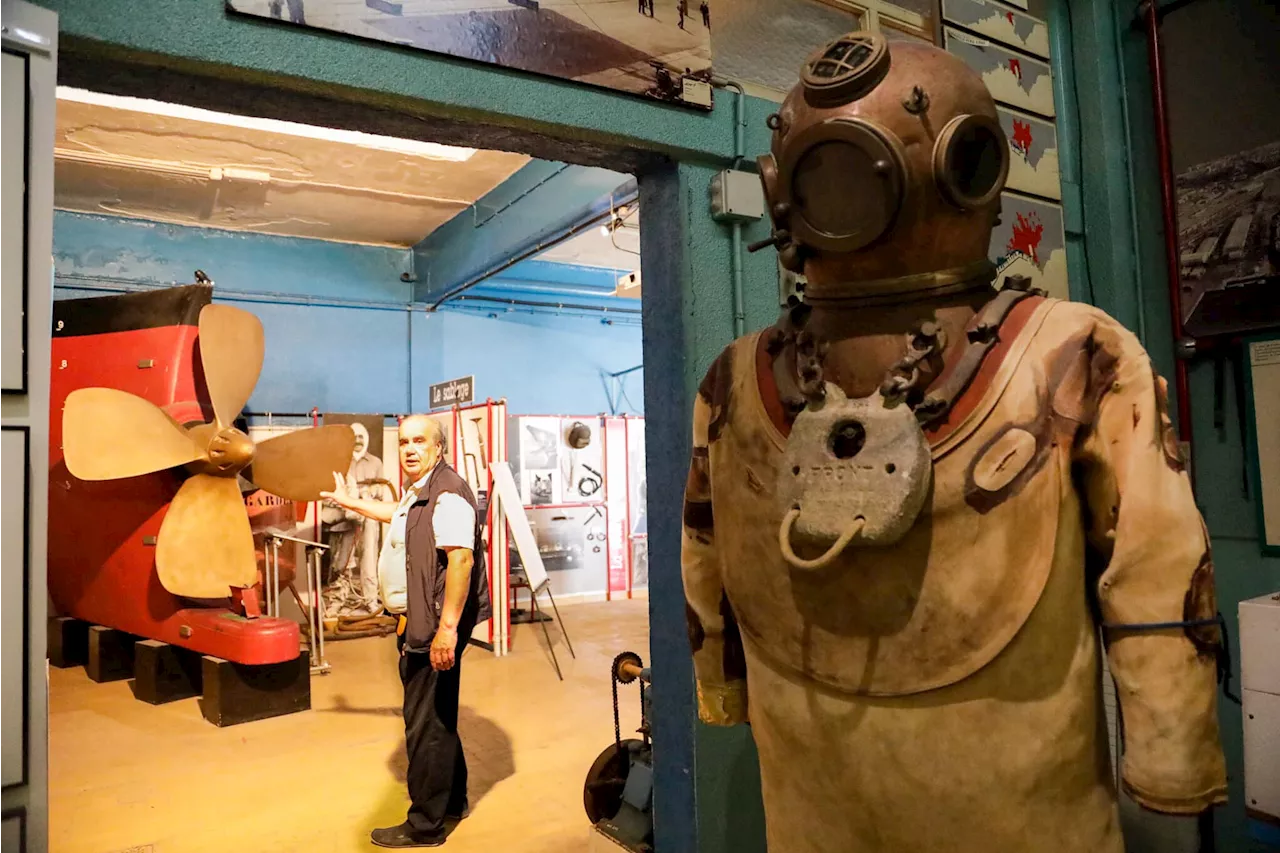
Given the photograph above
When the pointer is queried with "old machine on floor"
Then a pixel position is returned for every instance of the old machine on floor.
(159, 506)
(618, 793)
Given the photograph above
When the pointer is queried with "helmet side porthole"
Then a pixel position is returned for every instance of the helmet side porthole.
(971, 161)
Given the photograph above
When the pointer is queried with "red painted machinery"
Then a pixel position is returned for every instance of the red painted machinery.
(105, 530)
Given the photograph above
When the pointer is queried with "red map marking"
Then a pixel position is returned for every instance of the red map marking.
(1015, 65)
(1021, 141)
(1026, 237)
(1009, 15)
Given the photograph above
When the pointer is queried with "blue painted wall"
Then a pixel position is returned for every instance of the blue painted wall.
(342, 332)
(540, 364)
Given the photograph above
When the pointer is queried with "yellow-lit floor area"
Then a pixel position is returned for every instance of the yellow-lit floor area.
(127, 776)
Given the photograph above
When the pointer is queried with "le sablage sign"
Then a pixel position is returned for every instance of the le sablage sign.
(454, 392)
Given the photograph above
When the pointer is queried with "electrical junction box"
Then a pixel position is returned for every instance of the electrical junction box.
(628, 285)
(1260, 683)
(736, 197)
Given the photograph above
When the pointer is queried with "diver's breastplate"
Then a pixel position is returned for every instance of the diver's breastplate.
(964, 537)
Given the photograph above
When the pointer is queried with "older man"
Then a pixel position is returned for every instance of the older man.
(433, 574)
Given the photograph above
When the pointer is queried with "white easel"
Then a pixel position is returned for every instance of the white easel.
(505, 494)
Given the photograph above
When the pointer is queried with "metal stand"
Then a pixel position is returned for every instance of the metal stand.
(533, 606)
(312, 606)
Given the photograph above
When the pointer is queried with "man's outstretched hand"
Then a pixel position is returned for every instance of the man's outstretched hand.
(341, 494)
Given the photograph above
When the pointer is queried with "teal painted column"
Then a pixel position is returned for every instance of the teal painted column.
(718, 788)
(1106, 199)
(1069, 142)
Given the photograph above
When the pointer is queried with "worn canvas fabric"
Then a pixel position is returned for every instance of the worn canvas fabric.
(944, 693)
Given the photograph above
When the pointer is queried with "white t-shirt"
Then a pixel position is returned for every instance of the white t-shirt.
(454, 523)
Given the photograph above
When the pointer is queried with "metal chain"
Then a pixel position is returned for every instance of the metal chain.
(613, 684)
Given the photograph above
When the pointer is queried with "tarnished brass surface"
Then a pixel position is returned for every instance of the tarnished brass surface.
(231, 348)
(206, 543)
(300, 465)
(109, 435)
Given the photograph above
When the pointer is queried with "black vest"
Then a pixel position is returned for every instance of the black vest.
(426, 565)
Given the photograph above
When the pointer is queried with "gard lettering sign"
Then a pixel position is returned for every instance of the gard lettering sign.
(457, 392)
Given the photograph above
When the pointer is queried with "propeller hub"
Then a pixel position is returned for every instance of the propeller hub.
(227, 451)
(230, 451)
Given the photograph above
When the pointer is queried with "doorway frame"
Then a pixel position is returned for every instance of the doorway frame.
(666, 308)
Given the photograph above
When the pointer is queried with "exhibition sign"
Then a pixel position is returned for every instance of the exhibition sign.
(455, 392)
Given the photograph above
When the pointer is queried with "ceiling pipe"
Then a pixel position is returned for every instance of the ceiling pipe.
(1183, 347)
(534, 251)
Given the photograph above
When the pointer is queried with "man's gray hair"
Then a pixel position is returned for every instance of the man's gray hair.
(432, 427)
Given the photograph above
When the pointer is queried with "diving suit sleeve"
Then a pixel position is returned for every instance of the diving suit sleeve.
(718, 660)
(1149, 540)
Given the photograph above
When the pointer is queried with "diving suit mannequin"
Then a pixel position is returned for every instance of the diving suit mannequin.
(918, 501)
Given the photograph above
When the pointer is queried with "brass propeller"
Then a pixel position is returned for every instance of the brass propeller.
(109, 435)
(231, 347)
(296, 465)
(205, 545)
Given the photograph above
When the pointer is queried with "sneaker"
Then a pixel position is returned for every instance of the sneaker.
(403, 837)
(462, 815)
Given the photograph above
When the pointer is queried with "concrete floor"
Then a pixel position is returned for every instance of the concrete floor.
(127, 776)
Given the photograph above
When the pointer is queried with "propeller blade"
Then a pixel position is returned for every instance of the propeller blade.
(231, 354)
(109, 435)
(205, 545)
(298, 466)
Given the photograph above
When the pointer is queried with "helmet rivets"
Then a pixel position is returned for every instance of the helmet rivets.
(882, 167)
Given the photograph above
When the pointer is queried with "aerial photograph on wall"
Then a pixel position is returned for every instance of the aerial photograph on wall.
(657, 48)
(1229, 239)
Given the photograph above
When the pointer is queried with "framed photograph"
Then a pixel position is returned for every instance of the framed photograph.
(1030, 240)
(654, 48)
(795, 28)
(1262, 401)
(1033, 154)
(1000, 24)
(1229, 242)
(15, 456)
(1013, 78)
(13, 286)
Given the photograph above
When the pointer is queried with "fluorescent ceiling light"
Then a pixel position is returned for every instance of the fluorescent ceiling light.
(413, 147)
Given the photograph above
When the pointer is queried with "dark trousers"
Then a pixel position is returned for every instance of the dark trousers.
(437, 769)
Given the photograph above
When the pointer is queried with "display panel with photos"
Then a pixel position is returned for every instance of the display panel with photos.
(1030, 240)
(655, 48)
(993, 19)
(1012, 78)
(1033, 154)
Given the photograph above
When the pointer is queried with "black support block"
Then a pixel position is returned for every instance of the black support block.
(238, 693)
(68, 642)
(164, 673)
(110, 654)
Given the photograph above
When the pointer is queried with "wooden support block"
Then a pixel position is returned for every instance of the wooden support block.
(239, 693)
(110, 654)
(68, 642)
(164, 673)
